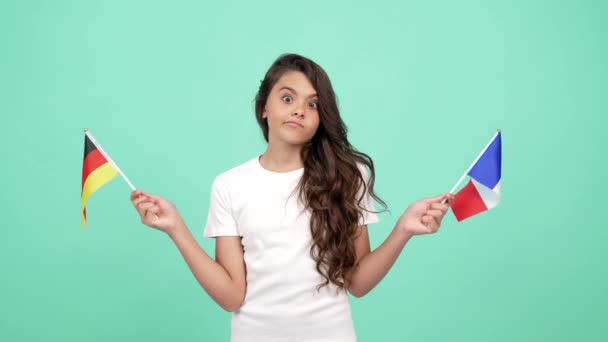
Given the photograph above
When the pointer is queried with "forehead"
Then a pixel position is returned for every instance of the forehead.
(297, 81)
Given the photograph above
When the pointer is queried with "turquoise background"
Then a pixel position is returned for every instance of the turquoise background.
(167, 88)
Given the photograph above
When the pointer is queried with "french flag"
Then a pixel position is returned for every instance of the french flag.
(482, 192)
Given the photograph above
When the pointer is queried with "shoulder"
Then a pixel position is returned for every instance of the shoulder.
(236, 175)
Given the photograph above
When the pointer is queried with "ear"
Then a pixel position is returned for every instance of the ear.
(264, 114)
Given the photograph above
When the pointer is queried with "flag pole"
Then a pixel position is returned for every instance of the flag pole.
(474, 161)
(86, 131)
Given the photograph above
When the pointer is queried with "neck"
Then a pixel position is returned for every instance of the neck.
(283, 158)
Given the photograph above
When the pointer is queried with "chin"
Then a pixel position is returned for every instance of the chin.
(294, 140)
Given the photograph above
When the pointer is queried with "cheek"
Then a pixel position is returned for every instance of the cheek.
(314, 127)
(274, 123)
(317, 121)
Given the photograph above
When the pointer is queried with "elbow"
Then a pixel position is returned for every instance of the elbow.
(356, 292)
(230, 308)
(233, 304)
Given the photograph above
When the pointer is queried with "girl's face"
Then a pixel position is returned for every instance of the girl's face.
(292, 110)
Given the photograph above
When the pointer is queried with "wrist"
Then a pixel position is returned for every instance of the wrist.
(402, 234)
(179, 230)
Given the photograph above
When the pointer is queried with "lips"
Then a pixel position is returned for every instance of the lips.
(294, 124)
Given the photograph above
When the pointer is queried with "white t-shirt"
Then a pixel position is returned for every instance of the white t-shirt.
(281, 301)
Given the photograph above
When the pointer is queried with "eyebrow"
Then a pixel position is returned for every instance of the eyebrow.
(295, 92)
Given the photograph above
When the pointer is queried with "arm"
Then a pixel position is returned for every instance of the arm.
(373, 266)
(422, 217)
(224, 278)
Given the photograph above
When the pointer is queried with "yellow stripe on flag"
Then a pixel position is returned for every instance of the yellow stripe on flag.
(94, 181)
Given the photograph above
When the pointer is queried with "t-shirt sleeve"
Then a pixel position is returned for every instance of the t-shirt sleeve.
(369, 216)
(220, 218)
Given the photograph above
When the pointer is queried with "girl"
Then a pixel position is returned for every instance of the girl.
(290, 226)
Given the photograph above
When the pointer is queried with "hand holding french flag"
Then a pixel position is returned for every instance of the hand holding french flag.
(482, 192)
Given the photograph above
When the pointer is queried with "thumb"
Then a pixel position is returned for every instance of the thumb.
(439, 199)
(156, 199)
(162, 203)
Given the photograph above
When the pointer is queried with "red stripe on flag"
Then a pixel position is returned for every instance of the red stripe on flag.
(467, 202)
(91, 162)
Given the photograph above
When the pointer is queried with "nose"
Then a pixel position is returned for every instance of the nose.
(299, 110)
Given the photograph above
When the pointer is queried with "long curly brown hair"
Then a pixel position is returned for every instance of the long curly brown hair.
(334, 182)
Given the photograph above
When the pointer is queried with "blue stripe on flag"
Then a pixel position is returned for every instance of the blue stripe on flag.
(487, 169)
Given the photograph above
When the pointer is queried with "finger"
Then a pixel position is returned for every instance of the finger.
(145, 206)
(155, 198)
(438, 218)
(151, 216)
(440, 206)
(146, 198)
(139, 200)
(143, 197)
(143, 210)
(154, 210)
(434, 212)
(438, 199)
(430, 222)
(136, 193)
(449, 198)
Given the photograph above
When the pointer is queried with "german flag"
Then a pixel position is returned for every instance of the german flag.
(97, 170)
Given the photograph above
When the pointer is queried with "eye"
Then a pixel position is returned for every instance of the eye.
(287, 99)
(313, 105)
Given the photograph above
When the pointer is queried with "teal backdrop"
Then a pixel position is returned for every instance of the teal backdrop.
(167, 88)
